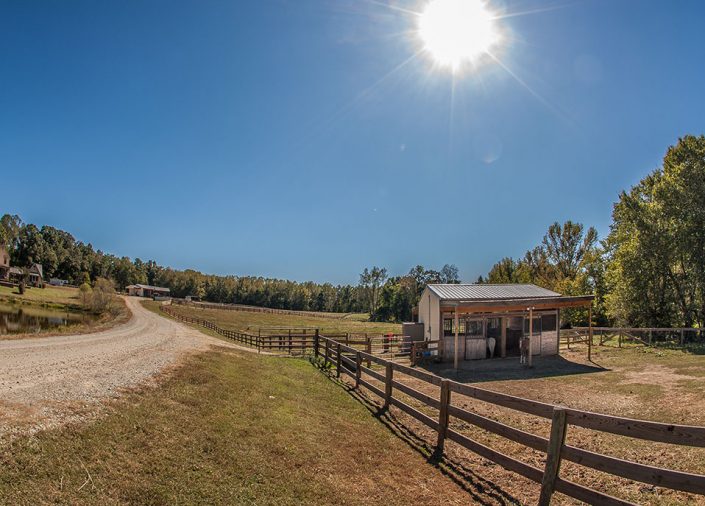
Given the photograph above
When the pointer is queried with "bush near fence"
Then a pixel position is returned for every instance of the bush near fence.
(349, 361)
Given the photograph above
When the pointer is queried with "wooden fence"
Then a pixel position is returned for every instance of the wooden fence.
(386, 379)
(301, 340)
(676, 336)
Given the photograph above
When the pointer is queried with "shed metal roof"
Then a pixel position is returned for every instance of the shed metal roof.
(483, 291)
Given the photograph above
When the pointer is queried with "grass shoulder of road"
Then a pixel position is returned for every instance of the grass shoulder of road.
(51, 301)
(252, 321)
(226, 427)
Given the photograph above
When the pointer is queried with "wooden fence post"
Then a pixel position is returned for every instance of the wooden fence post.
(315, 344)
(338, 360)
(358, 370)
(553, 456)
(327, 356)
(388, 374)
(443, 418)
(620, 339)
(682, 337)
(368, 349)
(259, 340)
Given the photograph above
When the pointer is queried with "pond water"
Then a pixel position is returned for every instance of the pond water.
(29, 320)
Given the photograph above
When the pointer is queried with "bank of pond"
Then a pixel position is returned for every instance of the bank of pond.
(32, 320)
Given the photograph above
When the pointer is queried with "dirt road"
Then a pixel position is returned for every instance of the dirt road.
(51, 380)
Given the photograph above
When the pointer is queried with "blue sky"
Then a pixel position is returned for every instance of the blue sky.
(276, 138)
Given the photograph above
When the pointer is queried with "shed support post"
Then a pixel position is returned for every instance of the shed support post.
(455, 341)
(503, 337)
(590, 333)
(682, 337)
(531, 335)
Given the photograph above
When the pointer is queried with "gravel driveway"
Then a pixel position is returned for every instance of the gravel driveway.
(48, 381)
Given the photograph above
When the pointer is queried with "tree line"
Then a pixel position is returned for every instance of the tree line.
(649, 270)
(64, 257)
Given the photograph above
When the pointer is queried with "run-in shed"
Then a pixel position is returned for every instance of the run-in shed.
(483, 320)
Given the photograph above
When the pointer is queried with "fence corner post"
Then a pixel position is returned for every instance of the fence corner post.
(442, 419)
(338, 360)
(388, 375)
(358, 370)
(553, 455)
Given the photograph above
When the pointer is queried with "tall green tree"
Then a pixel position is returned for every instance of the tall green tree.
(656, 246)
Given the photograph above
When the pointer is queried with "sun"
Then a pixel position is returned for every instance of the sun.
(455, 32)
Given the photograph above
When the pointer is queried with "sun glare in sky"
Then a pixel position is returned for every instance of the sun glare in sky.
(456, 32)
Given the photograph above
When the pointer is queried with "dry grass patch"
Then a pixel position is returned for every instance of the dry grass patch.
(245, 320)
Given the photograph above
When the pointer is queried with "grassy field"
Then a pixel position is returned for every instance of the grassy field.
(227, 427)
(244, 320)
(51, 296)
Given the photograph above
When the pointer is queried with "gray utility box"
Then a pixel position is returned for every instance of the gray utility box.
(412, 330)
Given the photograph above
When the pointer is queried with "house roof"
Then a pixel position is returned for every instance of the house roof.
(150, 287)
(483, 291)
(37, 269)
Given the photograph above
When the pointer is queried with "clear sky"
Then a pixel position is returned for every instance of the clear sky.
(303, 139)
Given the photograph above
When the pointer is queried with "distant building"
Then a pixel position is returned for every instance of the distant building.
(15, 274)
(490, 320)
(58, 282)
(148, 291)
(8, 273)
(36, 275)
(4, 262)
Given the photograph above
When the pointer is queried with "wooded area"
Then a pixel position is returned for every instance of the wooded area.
(650, 270)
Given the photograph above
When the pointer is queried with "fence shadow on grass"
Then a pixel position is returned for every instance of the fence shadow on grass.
(480, 489)
(502, 369)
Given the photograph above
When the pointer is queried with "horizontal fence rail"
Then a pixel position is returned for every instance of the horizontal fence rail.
(383, 380)
(647, 336)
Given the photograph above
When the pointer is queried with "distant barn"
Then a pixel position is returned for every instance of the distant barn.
(148, 291)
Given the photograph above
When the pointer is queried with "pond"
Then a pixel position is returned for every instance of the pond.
(30, 320)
